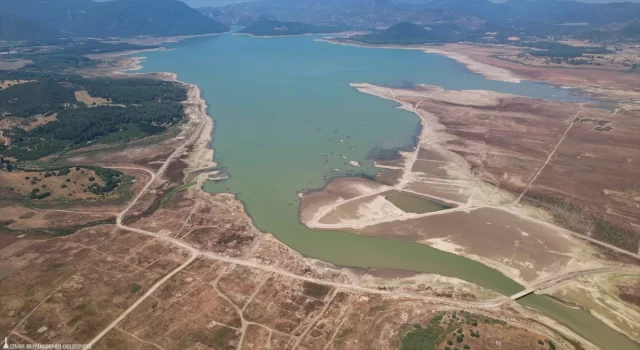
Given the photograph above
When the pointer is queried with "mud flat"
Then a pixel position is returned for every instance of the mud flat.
(533, 152)
(269, 201)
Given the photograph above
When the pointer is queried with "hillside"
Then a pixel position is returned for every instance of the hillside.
(14, 28)
(408, 33)
(269, 26)
(114, 18)
(512, 18)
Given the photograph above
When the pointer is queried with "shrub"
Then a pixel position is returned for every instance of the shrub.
(459, 339)
(540, 342)
(92, 179)
(467, 346)
(552, 345)
(63, 186)
(449, 342)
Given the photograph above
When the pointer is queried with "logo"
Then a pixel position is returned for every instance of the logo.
(6, 343)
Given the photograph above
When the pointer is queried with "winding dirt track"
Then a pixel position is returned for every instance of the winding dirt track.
(482, 307)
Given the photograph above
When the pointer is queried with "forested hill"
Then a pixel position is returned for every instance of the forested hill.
(52, 113)
(408, 33)
(14, 28)
(269, 26)
(115, 18)
(520, 18)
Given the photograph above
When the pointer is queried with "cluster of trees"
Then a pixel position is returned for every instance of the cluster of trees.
(133, 91)
(95, 46)
(39, 97)
(35, 194)
(151, 106)
(79, 126)
(112, 178)
(6, 164)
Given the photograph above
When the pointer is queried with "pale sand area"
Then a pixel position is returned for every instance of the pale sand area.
(520, 248)
(514, 240)
(488, 71)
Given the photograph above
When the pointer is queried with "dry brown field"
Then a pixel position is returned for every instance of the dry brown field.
(64, 187)
(576, 162)
(489, 54)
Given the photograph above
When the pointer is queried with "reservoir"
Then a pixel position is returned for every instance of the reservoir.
(286, 119)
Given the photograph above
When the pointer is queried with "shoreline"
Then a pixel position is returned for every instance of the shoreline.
(196, 108)
(201, 150)
(293, 35)
(487, 71)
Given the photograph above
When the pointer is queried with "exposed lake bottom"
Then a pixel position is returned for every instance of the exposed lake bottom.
(286, 120)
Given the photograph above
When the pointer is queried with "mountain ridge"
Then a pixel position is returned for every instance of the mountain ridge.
(116, 18)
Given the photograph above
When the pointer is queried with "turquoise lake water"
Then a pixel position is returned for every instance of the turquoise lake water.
(281, 107)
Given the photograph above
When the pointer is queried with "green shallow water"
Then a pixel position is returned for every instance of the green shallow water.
(581, 322)
(414, 204)
(285, 116)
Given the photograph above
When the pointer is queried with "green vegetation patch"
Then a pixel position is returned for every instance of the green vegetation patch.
(420, 338)
(134, 288)
(446, 328)
(144, 107)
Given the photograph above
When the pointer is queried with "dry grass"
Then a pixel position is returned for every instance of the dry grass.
(84, 97)
(26, 124)
(72, 287)
(72, 186)
(4, 84)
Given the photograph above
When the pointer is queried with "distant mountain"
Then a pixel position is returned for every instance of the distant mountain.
(269, 26)
(363, 14)
(627, 32)
(114, 18)
(408, 33)
(14, 28)
(512, 18)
